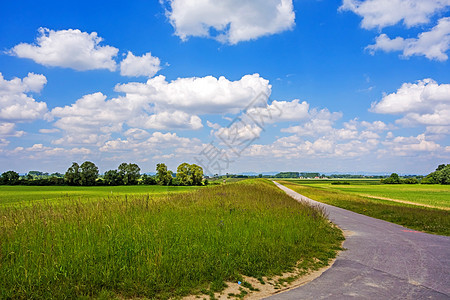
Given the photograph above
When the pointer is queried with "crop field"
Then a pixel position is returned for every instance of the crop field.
(431, 195)
(23, 195)
(144, 246)
(428, 210)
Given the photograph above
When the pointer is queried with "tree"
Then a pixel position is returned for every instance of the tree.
(393, 179)
(149, 180)
(72, 176)
(163, 176)
(89, 173)
(130, 173)
(411, 180)
(112, 177)
(189, 174)
(440, 167)
(184, 174)
(10, 177)
(441, 175)
(444, 175)
(197, 174)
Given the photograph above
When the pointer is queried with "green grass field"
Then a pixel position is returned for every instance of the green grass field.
(21, 195)
(432, 195)
(432, 220)
(143, 246)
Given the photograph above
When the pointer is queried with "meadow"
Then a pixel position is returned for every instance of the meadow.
(142, 245)
(27, 195)
(362, 198)
(428, 194)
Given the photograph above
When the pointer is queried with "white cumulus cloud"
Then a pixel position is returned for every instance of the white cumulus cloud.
(425, 102)
(145, 65)
(15, 102)
(383, 13)
(432, 44)
(230, 21)
(168, 120)
(69, 48)
(200, 95)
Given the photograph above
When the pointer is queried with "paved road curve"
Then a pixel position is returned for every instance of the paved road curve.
(382, 261)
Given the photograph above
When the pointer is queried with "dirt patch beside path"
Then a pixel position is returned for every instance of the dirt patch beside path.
(404, 201)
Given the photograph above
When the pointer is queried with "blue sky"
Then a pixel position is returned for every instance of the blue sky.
(352, 86)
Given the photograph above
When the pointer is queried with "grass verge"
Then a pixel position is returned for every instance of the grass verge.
(170, 246)
(431, 220)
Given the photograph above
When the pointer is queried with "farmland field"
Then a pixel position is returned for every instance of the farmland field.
(22, 195)
(433, 195)
(143, 246)
(362, 198)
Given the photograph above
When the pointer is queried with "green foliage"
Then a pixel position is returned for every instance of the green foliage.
(197, 174)
(9, 177)
(287, 175)
(72, 176)
(142, 247)
(86, 174)
(184, 174)
(189, 174)
(393, 179)
(411, 180)
(112, 177)
(163, 176)
(441, 175)
(148, 180)
(129, 173)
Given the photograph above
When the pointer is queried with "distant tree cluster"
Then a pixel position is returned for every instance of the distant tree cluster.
(126, 174)
(395, 179)
(440, 176)
(288, 175)
(189, 174)
(87, 174)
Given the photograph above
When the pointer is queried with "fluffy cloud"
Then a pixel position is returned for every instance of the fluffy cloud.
(92, 113)
(145, 65)
(319, 122)
(39, 151)
(93, 118)
(432, 44)
(425, 102)
(8, 130)
(15, 104)
(403, 146)
(232, 21)
(383, 13)
(157, 143)
(200, 95)
(69, 49)
(166, 120)
(280, 111)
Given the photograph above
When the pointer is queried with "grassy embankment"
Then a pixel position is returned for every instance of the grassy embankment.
(359, 198)
(141, 246)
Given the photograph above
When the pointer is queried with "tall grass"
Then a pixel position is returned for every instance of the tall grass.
(158, 248)
(431, 220)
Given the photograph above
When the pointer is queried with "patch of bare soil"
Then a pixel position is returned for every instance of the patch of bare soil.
(403, 201)
(252, 288)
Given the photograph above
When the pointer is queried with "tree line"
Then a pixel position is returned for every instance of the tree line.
(87, 174)
(440, 176)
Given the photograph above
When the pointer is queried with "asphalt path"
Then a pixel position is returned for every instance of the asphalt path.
(382, 260)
